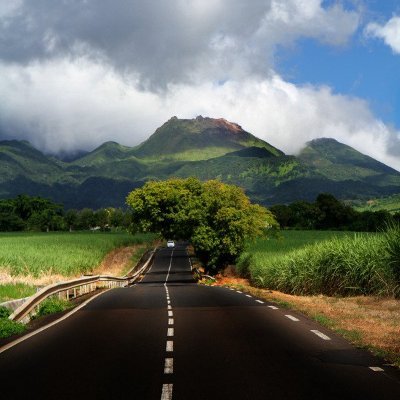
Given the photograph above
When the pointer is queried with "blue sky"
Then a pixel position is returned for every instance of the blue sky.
(74, 74)
(364, 67)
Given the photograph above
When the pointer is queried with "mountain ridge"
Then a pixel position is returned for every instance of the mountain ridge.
(204, 147)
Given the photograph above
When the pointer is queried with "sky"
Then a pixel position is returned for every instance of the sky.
(77, 73)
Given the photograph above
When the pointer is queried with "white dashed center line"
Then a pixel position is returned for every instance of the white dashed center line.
(170, 332)
(292, 318)
(273, 307)
(169, 307)
(170, 346)
(170, 314)
(376, 369)
(170, 321)
(320, 334)
(169, 366)
(259, 301)
(247, 295)
(166, 391)
(238, 291)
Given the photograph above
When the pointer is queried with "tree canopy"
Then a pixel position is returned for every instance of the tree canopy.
(215, 217)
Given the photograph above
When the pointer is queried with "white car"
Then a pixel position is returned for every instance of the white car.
(170, 244)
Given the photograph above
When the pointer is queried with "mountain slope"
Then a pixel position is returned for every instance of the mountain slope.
(203, 147)
(199, 139)
(20, 158)
(338, 162)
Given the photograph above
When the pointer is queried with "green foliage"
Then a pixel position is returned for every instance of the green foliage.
(392, 240)
(68, 254)
(52, 306)
(329, 213)
(215, 217)
(350, 265)
(9, 328)
(10, 291)
(4, 312)
(389, 203)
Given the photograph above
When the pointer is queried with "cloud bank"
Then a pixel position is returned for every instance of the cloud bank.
(389, 32)
(77, 73)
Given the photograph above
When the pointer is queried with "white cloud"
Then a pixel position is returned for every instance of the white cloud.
(389, 32)
(75, 105)
(76, 74)
(171, 41)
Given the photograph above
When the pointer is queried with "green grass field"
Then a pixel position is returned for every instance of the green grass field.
(11, 291)
(332, 263)
(67, 254)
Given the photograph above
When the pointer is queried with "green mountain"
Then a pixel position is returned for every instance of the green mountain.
(203, 147)
(198, 139)
(339, 162)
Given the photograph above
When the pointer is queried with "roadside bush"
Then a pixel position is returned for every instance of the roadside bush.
(4, 312)
(8, 328)
(52, 305)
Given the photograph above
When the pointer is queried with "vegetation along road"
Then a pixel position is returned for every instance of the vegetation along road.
(168, 337)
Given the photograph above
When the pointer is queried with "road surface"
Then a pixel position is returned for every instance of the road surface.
(169, 338)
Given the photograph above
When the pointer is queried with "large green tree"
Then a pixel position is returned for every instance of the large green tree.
(215, 217)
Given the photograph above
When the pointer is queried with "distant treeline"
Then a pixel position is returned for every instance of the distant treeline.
(327, 212)
(39, 214)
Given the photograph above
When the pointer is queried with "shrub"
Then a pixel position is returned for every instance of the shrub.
(52, 305)
(4, 312)
(8, 327)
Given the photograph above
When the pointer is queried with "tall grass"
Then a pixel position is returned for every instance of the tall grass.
(346, 265)
(15, 291)
(66, 253)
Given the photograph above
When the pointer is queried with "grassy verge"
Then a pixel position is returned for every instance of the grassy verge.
(66, 254)
(368, 322)
(15, 291)
(366, 264)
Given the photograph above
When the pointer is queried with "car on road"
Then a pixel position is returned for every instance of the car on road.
(171, 244)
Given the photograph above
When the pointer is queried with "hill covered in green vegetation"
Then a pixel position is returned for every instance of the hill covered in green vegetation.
(202, 147)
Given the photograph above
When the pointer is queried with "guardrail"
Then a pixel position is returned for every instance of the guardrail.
(70, 289)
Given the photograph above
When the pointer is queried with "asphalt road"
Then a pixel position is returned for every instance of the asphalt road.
(169, 338)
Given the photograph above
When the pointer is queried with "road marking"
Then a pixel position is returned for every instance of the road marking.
(168, 298)
(169, 366)
(169, 269)
(259, 301)
(320, 334)
(168, 301)
(273, 307)
(170, 332)
(29, 335)
(167, 391)
(376, 369)
(292, 318)
(247, 295)
(170, 346)
(238, 291)
(170, 314)
(170, 321)
(169, 307)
